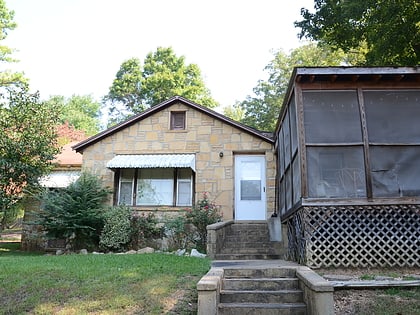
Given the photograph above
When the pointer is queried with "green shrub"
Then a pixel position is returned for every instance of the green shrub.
(145, 227)
(75, 213)
(178, 232)
(202, 214)
(116, 234)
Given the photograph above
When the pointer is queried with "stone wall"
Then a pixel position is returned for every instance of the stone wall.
(204, 136)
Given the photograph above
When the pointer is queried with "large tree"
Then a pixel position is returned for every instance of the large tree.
(7, 77)
(163, 75)
(261, 109)
(81, 112)
(388, 30)
(27, 144)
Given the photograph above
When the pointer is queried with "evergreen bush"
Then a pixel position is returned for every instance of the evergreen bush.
(75, 213)
(116, 234)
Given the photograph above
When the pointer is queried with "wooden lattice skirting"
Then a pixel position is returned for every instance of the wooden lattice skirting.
(355, 236)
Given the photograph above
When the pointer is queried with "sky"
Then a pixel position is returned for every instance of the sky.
(68, 47)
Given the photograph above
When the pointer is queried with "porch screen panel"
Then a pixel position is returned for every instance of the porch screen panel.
(336, 172)
(296, 180)
(395, 171)
(155, 187)
(293, 125)
(286, 139)
(282, 196)
(289, 195)
(125, 196)
(393, 116)
(332, 117)
(280, 154)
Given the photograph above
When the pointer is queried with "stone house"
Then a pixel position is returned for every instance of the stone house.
(166, 157)
(348, 172)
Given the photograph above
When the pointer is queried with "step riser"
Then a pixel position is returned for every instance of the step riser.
(246, 257)
(260, 284)
(261, 297)
(244, 244)
(260, 273)
(250, 251)
(261, 311)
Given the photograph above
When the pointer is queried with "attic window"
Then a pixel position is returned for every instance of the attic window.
(177, 120)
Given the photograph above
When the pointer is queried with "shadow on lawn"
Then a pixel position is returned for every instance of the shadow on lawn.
(10, 244)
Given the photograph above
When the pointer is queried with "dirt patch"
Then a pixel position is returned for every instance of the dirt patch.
(370, 302)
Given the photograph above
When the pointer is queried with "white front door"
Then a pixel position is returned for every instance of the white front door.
(250, 182)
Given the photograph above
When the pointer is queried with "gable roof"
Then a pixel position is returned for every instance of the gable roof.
(266, 136)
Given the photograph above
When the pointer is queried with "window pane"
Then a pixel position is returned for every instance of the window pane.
(184, 195)
(250, 180)
(395, 171)
(336, 172)
(125, 196)
(331, 117)
(393, 117)
(177, 120)
(155, 187)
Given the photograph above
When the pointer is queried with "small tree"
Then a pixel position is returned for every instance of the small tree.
(202, 214)
(75, 213)
(28, 144)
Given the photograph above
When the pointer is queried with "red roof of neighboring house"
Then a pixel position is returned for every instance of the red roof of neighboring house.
(69, 157)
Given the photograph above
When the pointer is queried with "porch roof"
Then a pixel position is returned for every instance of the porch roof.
(152, 161)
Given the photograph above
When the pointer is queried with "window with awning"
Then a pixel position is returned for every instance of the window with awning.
(154, 180)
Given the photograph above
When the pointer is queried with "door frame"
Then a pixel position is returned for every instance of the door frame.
(261, 204)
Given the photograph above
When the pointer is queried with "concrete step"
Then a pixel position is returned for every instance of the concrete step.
(247, 256)
(274, 284)
(256, 296)
(247, 250)
(259, 273)
(262, 308)
(247, 244)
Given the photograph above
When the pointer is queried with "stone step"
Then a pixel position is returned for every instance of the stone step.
(247, 256)
(258, 273)
(257, 296)
(246, 245)
(274, 284)
(247, 238)
(262, 308)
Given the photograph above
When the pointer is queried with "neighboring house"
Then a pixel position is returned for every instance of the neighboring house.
(348, 147)
(67, 170)
(165, 158)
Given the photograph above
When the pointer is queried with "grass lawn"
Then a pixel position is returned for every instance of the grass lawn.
(98, 284)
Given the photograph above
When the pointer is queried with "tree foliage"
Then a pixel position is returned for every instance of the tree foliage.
(28, 144)
(389, 30)
(75, 213)
(80, 112)
(7, 77)
(261, 110)
(162, 76)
